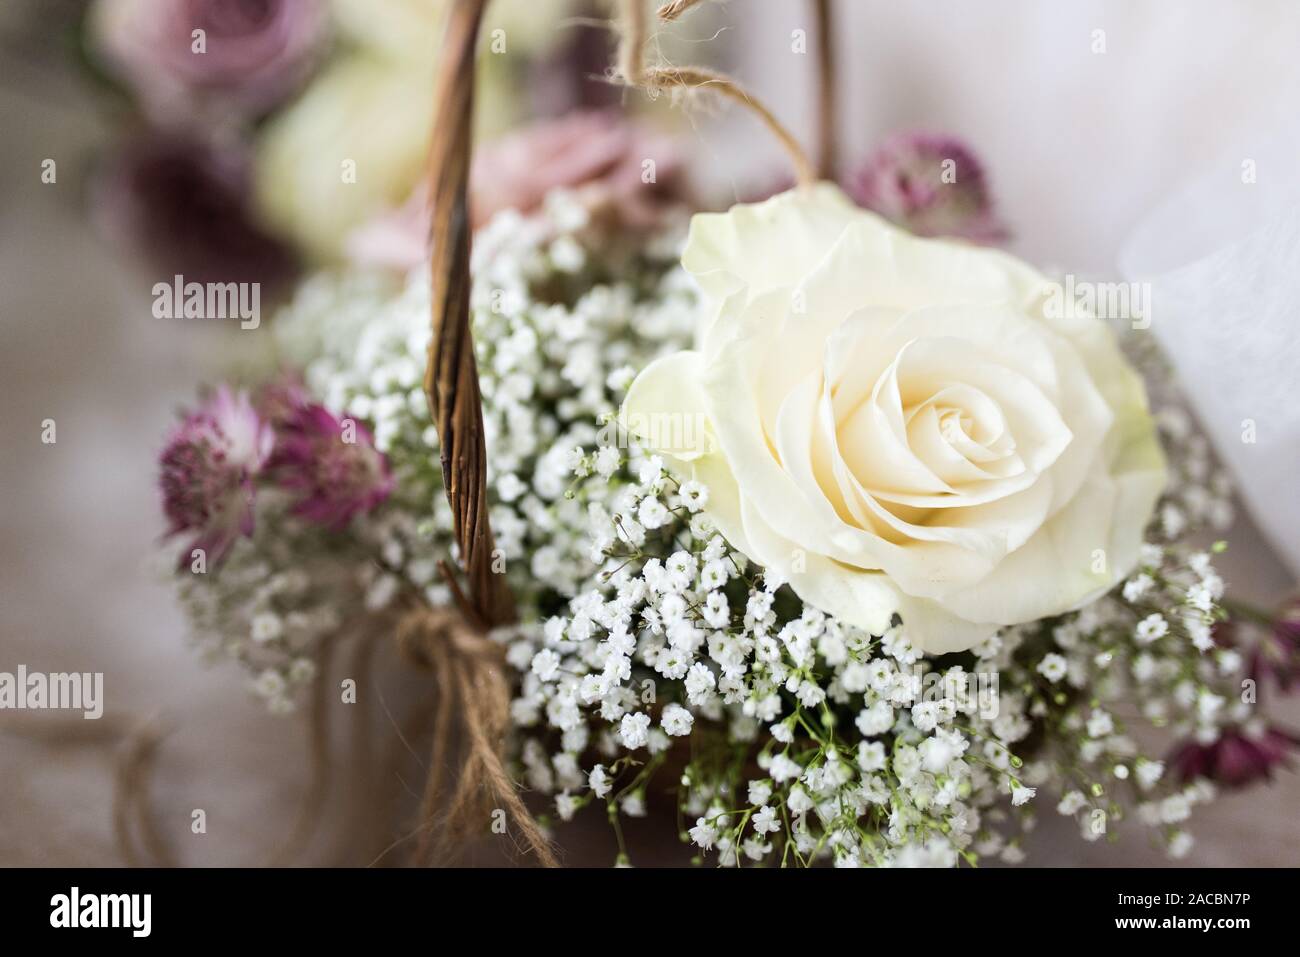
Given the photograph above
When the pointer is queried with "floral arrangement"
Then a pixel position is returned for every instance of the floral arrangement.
(256, 482)
(843, 538)
(867, 714)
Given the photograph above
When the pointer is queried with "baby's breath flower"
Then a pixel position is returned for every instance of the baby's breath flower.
(1151, 628)
(1021, 795)
(633, 730)
(1053, 667)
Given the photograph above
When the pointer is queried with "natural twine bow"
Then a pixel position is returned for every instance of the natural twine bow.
(473, 696)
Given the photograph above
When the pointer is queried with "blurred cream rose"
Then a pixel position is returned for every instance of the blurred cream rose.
(895, 424)
(411, 28)
(374, 107)
(404, 29)
(354, 144)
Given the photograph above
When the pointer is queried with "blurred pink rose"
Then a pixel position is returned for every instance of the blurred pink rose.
(1278, 652)
(601, 157)
(249, 55)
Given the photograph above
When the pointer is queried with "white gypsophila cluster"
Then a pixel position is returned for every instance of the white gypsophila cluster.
(1141, 658)
(562, 313)
(1199, 492)
(276, 597)
(810, 740)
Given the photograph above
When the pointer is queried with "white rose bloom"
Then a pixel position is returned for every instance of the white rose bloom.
(896, 425)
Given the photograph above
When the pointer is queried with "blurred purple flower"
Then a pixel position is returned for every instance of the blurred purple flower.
(333, 466)
(1237, 758)
(206, 472)
(281, 400)
(184, 207)
(598, 155)
(573, 75)
(249, 55)
(1277, 654)
(930, 184)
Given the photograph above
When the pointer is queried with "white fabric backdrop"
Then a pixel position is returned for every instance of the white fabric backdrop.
(1222, 257)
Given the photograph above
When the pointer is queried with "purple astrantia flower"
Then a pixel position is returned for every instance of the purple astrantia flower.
(281, 400)
(572, 76)
(183, 206)
(332, 465)
(207, 469)
(1278, 653)
(1237, 758)
(930, 184)
(222, 56)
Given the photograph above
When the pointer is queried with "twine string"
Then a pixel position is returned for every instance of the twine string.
(460, 796)
(133, 811)
(632, 71)
(671, 11)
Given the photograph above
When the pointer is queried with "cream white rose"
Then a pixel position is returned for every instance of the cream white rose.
(895, 425)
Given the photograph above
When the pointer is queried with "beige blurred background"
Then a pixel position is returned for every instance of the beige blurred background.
(1079, 146)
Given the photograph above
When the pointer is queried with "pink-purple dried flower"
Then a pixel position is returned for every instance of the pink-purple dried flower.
(281, 400)
(1277, 655)
(1237, 758)
(207, 468)
(332, 465)
(931, 184)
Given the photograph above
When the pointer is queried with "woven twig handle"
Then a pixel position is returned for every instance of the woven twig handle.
(451, 376)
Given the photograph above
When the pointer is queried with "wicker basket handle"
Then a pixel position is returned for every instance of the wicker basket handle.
(451, 375)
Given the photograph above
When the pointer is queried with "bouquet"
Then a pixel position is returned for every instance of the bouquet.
(336, 458)
(857, 546)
